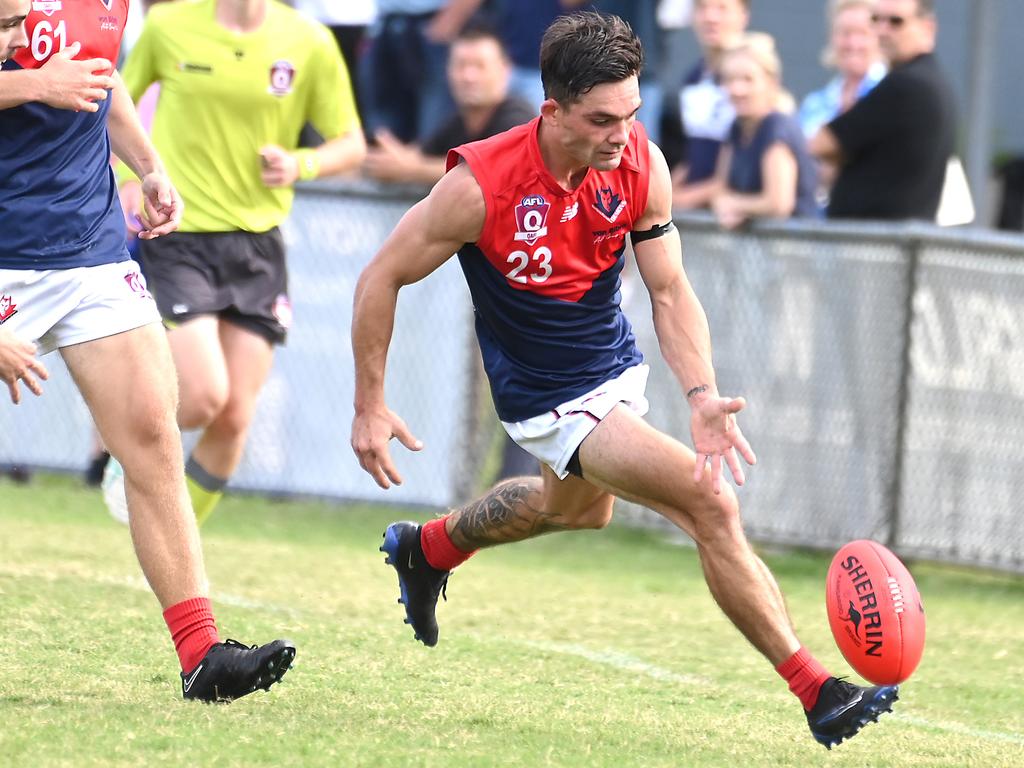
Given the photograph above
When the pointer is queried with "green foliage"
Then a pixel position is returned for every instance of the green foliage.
(590, 649)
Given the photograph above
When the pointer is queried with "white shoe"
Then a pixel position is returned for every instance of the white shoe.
(112, 486)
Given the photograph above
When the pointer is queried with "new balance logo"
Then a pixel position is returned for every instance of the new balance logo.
(570, 212)
(187, 682)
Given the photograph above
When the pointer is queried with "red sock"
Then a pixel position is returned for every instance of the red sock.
(192, 629)
(438, 548)
(805, 676)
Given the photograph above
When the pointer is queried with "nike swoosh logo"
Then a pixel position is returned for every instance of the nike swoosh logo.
(848, 706)
(187, 683)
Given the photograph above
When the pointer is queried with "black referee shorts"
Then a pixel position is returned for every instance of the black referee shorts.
(238, 276)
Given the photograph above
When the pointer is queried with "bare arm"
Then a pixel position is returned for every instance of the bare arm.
(825, 146)
(684, 337)
(701, 194)
(341, 154)
(393, 161)
(128, 139)
(679, 319)
(426, 237)
(61, 83)
(449, 21)
(777, 198)
(162, 207)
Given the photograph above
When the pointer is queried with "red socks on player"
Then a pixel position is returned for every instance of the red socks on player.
(438, 548)
(192, 629)
(805, 676)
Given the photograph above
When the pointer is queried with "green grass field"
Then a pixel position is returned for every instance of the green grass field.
(588, 649)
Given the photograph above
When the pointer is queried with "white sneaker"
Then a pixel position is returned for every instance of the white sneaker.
(113, 491)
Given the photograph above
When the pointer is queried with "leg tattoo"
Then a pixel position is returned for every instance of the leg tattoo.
(508, 512)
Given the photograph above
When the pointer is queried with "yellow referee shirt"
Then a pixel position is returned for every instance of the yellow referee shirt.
(224, 95)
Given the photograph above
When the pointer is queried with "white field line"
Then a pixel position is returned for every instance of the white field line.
(608, 657)
(618, 660)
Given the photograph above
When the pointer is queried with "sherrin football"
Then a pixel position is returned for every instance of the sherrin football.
(875, 612)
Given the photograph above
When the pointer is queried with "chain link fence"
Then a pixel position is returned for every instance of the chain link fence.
(883, 366)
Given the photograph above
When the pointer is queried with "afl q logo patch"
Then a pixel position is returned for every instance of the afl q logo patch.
(282, 75)
(531, 219)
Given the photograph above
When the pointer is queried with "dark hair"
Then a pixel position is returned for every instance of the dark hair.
(584, 50)
(480, 30)
(925, 7)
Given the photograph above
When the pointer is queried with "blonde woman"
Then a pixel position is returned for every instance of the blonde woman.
(854, 53)
(764, 169)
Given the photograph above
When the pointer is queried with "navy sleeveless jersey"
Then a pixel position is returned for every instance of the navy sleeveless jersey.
(58, 199)
(544, 274)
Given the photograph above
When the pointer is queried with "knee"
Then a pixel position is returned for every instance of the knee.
(716, 517)
(151, 437)
(201, 407)
(233, 418)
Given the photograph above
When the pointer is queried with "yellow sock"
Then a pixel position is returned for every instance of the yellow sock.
(203, 501)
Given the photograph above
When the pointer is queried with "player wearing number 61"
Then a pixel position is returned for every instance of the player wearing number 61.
(67, 283)
(539, 216)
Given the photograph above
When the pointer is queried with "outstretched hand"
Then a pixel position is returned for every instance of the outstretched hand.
(717, 436)
(371, 432)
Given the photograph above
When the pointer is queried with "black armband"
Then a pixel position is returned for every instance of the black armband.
(658, 230)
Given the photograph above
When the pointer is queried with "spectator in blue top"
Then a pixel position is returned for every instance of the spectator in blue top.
(854, 53)
(765, 169)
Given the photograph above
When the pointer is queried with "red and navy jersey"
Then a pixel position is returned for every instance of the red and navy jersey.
(58, 200)
(544, 274)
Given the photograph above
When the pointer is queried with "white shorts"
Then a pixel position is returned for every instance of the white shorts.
(60, 307)
(554, 436)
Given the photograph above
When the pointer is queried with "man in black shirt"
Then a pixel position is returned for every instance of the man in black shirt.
(893, 145)
(478, 76)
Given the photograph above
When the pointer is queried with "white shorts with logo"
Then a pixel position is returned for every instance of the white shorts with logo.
(554, 436)
(59, 307)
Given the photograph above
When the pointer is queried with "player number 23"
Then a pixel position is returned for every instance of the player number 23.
(520, 260)
(43, 37)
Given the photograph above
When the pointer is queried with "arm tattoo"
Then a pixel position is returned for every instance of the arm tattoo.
(508, 512)
(697, 390)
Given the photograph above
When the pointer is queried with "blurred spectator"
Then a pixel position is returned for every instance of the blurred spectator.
(641, 15)
(853, 52)
(521, 24)
(893, 146)
(403, 84)
(348, 21)
(695, 127)
(764, 168)
(478, 77)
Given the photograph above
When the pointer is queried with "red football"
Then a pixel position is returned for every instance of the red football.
(875, 612)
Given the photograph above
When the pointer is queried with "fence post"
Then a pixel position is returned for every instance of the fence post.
(913, 247)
